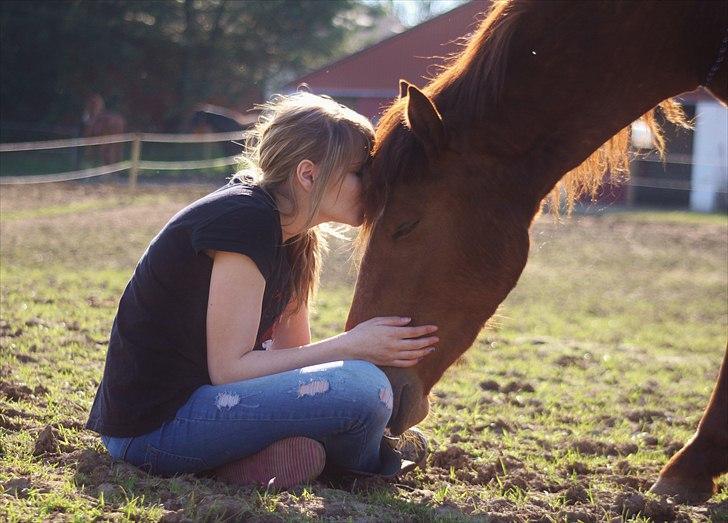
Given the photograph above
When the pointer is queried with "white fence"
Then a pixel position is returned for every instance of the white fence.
(133, 165)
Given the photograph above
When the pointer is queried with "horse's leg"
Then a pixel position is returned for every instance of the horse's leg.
(690, 474)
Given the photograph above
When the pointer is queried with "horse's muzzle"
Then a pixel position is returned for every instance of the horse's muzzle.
(409, 408)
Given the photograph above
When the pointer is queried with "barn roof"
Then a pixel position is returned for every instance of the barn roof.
(375, 71)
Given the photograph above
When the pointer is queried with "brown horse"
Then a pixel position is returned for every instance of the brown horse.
(97, 121)
(462, 167)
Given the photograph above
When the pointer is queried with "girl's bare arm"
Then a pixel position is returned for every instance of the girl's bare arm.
(233, 317)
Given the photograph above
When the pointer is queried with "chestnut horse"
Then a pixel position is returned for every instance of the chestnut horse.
(96, 120)
(461, 169)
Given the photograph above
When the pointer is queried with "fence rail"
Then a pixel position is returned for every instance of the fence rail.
(136, 164)
(133, 165)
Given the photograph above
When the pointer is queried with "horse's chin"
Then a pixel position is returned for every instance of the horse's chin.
(410, 407)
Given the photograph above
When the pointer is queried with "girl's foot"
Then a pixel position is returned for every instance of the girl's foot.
(281, 465)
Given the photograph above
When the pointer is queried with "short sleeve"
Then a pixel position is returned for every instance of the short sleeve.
(250, 231)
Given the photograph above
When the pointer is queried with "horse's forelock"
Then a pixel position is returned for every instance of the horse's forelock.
(401, 148)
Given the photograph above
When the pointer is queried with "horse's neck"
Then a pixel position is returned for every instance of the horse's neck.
(564, 96)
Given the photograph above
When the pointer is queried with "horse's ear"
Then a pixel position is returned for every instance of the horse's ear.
(403, 85)
(424, 120)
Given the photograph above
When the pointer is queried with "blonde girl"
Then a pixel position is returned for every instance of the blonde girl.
(210, 366)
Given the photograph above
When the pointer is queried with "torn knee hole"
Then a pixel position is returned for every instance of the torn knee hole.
(387, 397)
(312, 388)
(226, 400)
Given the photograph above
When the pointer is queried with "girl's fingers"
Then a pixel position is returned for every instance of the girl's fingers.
(419, 343)
(416, 332)
(404, 363)
(393, 321)
(414, 354)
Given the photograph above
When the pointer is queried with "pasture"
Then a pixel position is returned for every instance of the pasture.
(595, 371)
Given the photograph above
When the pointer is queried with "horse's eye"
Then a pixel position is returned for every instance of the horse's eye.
(405, 228)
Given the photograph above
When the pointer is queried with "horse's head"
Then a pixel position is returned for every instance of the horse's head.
(446, 237)
(93, 107)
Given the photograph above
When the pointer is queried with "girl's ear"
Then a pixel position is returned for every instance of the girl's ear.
(306, 173)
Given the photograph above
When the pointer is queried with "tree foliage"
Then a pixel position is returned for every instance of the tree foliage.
(153, 60)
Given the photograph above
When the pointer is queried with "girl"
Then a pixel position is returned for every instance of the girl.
(194, 379)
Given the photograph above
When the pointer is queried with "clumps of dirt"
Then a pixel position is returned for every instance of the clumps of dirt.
(39, 390)
(15, 391)
(451, 457)
(576, 494)
(71, 424)
(21, 391)
(490, 385)
(25, 358)
(518, 386)
(600, 448)
(672, 447)
(580, 515)
(90, 462)
(49, 446)
(576, 467)
(8, 423)
(46, 443)
(634, 503)
(648, 416)
(500, 427)
(623, 466)
(18, 487)
(463, 465)
(581, 362)
(647, 439)
(98, 471)
(510, 387)
(12, 419)
(457, 438)
(629, 481)
(8, 330)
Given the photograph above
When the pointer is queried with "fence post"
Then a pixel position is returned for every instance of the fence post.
(136, 151)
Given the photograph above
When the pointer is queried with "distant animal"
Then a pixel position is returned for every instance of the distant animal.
(96, 120)
(461, 167)
(215, 119)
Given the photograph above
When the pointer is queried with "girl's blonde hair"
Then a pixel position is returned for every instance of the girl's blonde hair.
(304, 126)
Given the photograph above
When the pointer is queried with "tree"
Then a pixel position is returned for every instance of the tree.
(153, 60)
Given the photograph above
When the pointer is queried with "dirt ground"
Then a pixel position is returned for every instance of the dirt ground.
(594, 373)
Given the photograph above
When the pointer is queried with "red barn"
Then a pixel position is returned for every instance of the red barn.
(368, 80)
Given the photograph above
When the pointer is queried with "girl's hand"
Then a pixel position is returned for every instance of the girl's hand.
(389, 342)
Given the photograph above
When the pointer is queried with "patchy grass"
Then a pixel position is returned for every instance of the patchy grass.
(594, 372)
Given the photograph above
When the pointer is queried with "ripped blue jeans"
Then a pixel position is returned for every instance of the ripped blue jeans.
(345, 405)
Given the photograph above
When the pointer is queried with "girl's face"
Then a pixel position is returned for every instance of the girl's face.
(342, 201)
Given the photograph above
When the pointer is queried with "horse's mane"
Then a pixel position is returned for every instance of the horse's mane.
(484, 58)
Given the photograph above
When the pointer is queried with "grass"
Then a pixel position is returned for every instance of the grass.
(594, 372)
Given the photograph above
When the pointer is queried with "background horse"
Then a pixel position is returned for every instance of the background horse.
(97, 121)
(461, 168)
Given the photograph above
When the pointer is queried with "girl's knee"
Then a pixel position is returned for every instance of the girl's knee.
(365, 375)
(353, 383)
(371, 387)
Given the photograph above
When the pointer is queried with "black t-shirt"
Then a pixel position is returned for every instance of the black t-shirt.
(157, 349)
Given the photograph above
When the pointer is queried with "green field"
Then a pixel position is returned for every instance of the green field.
(595, 370)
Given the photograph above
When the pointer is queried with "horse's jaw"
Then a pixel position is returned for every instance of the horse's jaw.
(410, 404)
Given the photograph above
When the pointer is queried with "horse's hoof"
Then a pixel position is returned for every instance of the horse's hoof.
(690, 492)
